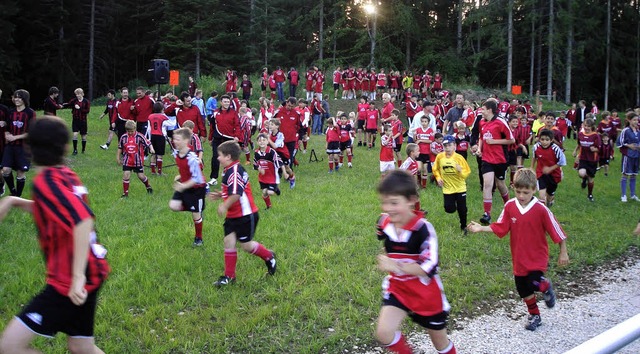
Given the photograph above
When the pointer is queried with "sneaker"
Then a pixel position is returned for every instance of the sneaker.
(212, 182)
(197, 242)
(277, 190)
(75, 152)
(633, 197)
(549, 297)
(337, 167)
(271, 264)
(485, 219)
(591, 198)
(224, 280)
(124, 195)
(304, 151)
(330, 171)
(292, 183)
(533, 322)
(340, 164)
(359, 143)
(104, 147)
(350, 164)
(584, 183)
(624, 199)
(149, 190)
(464, 230)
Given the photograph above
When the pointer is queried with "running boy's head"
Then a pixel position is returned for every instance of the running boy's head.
(546, 137)
(158, 107)
(228, 152)
(79, 93)
(352, 116)
(449, 144)
(130, 127)
(438, 137)
(424, 121)
(605, 138)
(48, 140)
(363, 99)
(344, 118)
(388, 131)
(513, 122)
(274, 125)
(589, 123)
(394, 114)
(525, 184)
(189, 125)
(198, 93)
(398, 194)
(461, 127)
(181, 138)
(549, 120)
(242, 110)
(413, 150)
(263, 141)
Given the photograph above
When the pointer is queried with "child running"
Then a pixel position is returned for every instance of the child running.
(241, 214)
(528, 222)
(267, 162)
(410, 165)
(587, 153)
(413, 287)
(130, 155)
(387, 162)
(547, 161)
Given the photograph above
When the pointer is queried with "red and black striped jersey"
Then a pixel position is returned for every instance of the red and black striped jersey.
(132, 148)
(235, 181)
(82, 112)
(189, 169)
(269, 162)
(110, 110)
(59, 204)
(50, 106)
(18, 123)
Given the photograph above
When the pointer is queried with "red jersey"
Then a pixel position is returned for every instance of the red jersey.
(437, 82)
(289, 123)
(132, 148)
(571, 115)
(278, 140)
(123, 108)
(606, 150)
(59, 205)
(293, 77)
(309, 77)
(332, 134)
(337, 76)
(495, 129)
(410, 165)
(227, 124)
(143, 108)
(412, 108)
(547, 157)
(82, 112)
(195, 145)
(615, 121)
(319, 82)
(462, 143)
(189, 169)
(468, 117)
(416, 243)
(503, 108)
(586, 141)
(381, 80)
(231, 81)
(528, 227)
(155, 122)
(373, 116)
(269, 162)
(304, 113)
(386, 110)
(191, 113)
(345, 130)
(605, 127)
(436, 148)
(397, 129)
(522, 133)
(51, 106)
(278, 75)
(417, 82)
(372, 82)
(362, 111)
(424, 134)
(110, 110)
(18, 123)
(386, 148)
(235, 181)
(563, 125)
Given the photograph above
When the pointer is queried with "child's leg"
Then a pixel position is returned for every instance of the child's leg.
(144, 180)
(75, 142)
(126, 175)
(461, 203)
(153, 162)
(590, 185)
(176, 205)
(632, 185)
(83, 345)
(542, 194)
(266, 197)
(441, 341)
(349, 156)
(16, 337)
(21, 180)
(623, 185)
(230, 255)
(487, 191)
(197, 224)
(502, 188)
(387, 330)
(84, 143)
(159, 163)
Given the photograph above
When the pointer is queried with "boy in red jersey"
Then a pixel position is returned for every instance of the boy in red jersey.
(276, 142)
(398, 130)
(363, 107)
(304, 116)
(158, 123)
(550, 124)
(131, 156)
(80, 108)
(333, 144)
(563, 124)
(523, 137)
(345, 127)
(587, 153)
(424, 137)
(195, 144)
(110, 111)
(410, 165)
(605, 153)
(387, 162)
(17, 124)
(267, 162)
(528, 222)
(241, 214)
(413, 287)
(189, 185)
(337, 77)
(547, 161)
(75, 263)
(371, 124)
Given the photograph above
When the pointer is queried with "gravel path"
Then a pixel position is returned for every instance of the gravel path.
(571, 322)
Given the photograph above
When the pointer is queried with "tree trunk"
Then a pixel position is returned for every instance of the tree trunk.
(550, 52)
(532, 58)
(335, 38)
(608, 59)
(567, 92)
(459, 35)
(407, 52)
(266, 36)
(198, 49)
(638, 64)
(321, 33)
(92, 26)
(61, 66)
(509, 47)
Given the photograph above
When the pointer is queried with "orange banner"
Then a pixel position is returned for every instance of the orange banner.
(174, 78)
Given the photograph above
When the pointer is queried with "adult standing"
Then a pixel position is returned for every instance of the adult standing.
(279, 77)
(142, 108)
(289, 125)
(453, 115)
(317, 111)
(294, 79)
(387, 107)
(124, 110)
(571, 116)
(581, 115)
(187, 110)
(225, 127)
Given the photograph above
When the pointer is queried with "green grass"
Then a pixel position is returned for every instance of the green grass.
(326, 294)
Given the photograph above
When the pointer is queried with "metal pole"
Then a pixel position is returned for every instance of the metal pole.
(611, 340)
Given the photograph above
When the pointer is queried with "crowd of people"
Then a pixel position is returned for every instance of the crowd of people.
(442, 131)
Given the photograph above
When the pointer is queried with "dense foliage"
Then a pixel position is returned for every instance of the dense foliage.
(48, 42)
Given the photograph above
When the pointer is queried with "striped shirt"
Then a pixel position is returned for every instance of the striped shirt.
(235, 181)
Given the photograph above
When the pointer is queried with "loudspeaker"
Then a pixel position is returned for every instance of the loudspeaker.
(158, 73)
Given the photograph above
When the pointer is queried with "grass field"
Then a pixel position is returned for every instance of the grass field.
(326, 295)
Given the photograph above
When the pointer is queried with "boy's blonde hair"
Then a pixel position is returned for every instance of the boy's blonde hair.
(525, 178)
(411, 147)
(184, 133)
(275, 121)
(130, 125)
(189, 124)
(78, 91)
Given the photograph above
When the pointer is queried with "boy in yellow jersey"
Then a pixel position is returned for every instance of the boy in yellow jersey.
(451, 170)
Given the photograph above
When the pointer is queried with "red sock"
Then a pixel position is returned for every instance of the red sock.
(400, 346)
(125, 186)
(349, 157)
(544, 285)
(341, 158)
(532, 306)
(159, 166)
(304, 143)
(423, 181)
(330, 165)
(230, 260)
(153, 168)
(248, 156)
(198, 226)
(590, 188)
(262, 252)
(146, 182)
(487, 206)
(505, 197)
(267, 201)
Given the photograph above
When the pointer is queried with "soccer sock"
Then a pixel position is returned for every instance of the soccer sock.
(505, 197)
(590, 188)
(623, 185)
(145, 181)
(487, 203)
(341, 158)
(75, 145)
(20, 185)
(304, 143)
(532, 306)
(349, 157)
(230, 260)
(8, 178)
(262, 252)
(423, 181)
(511, 174)
(84, 145)
(330, 165)
(632, 185)
(153, 167)
(449, 349)
(159, 163)
(399, 162)
(399, 345)
(198, 227)
(543, 285)
(125, 186)
(267, 201)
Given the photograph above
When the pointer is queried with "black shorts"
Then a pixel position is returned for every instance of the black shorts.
(499, 169)
(301, 133)
(285, 160)
(380, 87)
(360, 125)
(344, 145)
(512, 158)
(133, 169)
(269, 186)
(590, 166)
(291, 146)
(142, 127)
(263, 87)
(159, 143)
(547, 182)
(397, 148)
(603, 162)
(244, 227)
(372, 131)
(50, 312)
(79, 126)
(16, 158)
(424, 158)
(435, 322)
(336, 87)
(333, 147)
(192, 199)
(525, 284)
(524, 153)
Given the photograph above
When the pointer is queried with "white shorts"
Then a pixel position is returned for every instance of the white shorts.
(387, 166)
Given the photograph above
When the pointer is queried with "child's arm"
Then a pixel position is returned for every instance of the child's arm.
(119, 156)
(475, 227)
(81, 239)
(563, 258)
(9, 202)
(227, 203)
(387, 264)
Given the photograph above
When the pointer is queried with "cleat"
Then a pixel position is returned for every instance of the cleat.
(464, 230)
(271, 264)
(224, 280)
(212, 182)
(197, 242)
(633, 197)
(104, 147)
(13, 192)
(277, 191)
(330, 171)
(75, 152)
(340, 164)
(124, 195)
(623, 199)
(485, 219)
(292, 183)
(591, 198)
(533, 322)
(350, 164)
(337, 167)
(549, 297)
(359, 143)
(149, 190)
(584, 183)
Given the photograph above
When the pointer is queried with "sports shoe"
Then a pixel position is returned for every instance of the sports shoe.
(75, 152)
(271, 264)
(584, 183)
(464, 230)
(224, 280)
(292, 183)
(104, 147)
(212, 182)
(533, 322)
(485, 219)
(624, 199)
(149, 190)
(330, 171)
(359, 143)
(591, 198)
(340, 164)
(549, 297)
(124, 195)
(350, 164)
(633, 197)
(197, 242)
(277, 190)
(337, 167)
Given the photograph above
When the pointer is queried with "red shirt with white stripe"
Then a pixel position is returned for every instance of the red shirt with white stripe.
(235, 181)
(410, 165)
(495, 129)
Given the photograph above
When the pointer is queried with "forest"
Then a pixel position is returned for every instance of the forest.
(581, 49)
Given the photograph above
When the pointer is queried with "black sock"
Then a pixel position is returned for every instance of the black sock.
(20, 185)
(9, 180)
(84, 145)
(75, 144)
